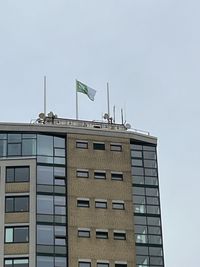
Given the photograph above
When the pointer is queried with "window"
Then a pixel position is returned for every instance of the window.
(17, 262)
(44, 204)
(100, 175)
(18, 234)
(44, 261)
(120, 264)
(83, 203)
(82, 232)
(84, 264)
(44, 175)
(45, 235)
(99, 146)
(82, 173)
(118, 205)
(17, 174)
(119, 235)
(101, 204)
(17, 204)
(118, 176)
(102, 234)
(82, 144)
(116, 147)
(102, 264)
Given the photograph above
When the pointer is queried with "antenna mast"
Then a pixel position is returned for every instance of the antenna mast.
(45, 95)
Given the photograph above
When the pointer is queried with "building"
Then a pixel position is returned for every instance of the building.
(78, 194)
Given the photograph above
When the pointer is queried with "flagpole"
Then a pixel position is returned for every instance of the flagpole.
(45, 95)
(108, 100)
(76, 102)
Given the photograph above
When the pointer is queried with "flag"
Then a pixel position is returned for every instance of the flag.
(82, 88)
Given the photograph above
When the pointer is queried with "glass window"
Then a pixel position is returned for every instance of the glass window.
(99, 146)
(150, 172)
(60, 262)
(45, 159)
(45, 175)
(119, 235)
(136, 147)
(102, 264)
(136, 154)
(59, 142)
(29, 136)
(155, 239)
(118, 176)
(137, 179)
(142, 260)
(118, 205)
(101, 204)
(60, 241)
(59, 160)
(155, 251)
(60, 200)
(151, 180)
(149, 148)
(83, 233)
(18, 262)
(153, 209)
(43, 261)
(17, 174)
(139, 199)
(99, 175)
(154, 230)
(141, 250)
(83, 203)
(102, 234)
(156, 261)
(59, 171)
(17, 204)
(45, 235)
(3, 136)
(138, 190)
(141, 229)
(16, 234)
(59, 152)
(60, 230)
(140, 220)
(153, 200)
(138, 208)
(59, 210)
(14, 138)
(120, 265)
(137, 171)
(149, 155)
(152, 192)
(3, 148)
(44, 145)
(116, 147)
(82, 144)
(14, 150)
(150, 163)
(82, 173)
(154, 221)
(45, 204)
(84, 264)
(28, 147)
(59, 181)
(141, 238)
(137, 162)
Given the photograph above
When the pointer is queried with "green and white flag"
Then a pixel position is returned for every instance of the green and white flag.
(82, 88)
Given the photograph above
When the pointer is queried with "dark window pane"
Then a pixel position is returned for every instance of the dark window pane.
(140, 229)
(14, 149)
(155, 251)
(9, 204)
(150, 163)
(59, 171)
(118, 206)
(10, 175)
(118, 176)
(45, 159)
(156, 260)
(151, 180)
(83, 203)
(59, 210)
(60, 262)
(154, 221)
(45, 145)
(58, 200)
(155, 239)
(101, 235)
(141, 250)
(136, 147)
(137, 179)
(44, 175)
(153, 209)
(28, 147)
(139, 199)
(22, 174)
(149, 155)
(60, 230)
(138, 208)
(150, 172)
(102, 264)
(138, 190)
(3, 148)
(21, 234)
(21, 204)
(120, 265)
(136, 154)
(59, 181)
(99, 146)
(3, 136)
(14, 138)
(152, 192)
(149, 148)
(154, 230)
(29, 136)
(152, 200)
(142, 260)
(119, 236)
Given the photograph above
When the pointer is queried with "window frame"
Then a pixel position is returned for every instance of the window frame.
(81, 143)
(104, 233)
(99, 146)
(86, 200)
(14, 174)
(102, 201)
(83, 171)
(116, 147)
(83, 230)
(13, 234)
(13, 204)
(117, 176)
(119, 235)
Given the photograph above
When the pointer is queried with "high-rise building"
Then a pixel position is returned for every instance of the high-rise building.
(78, 194)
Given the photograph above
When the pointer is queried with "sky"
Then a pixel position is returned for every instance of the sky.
(148, 51)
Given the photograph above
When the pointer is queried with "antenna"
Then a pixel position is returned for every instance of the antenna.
(45, 95)
(108, 99)
(122, 116)
(114, 113)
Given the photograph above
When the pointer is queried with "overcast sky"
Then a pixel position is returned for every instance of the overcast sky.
(149, 52)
